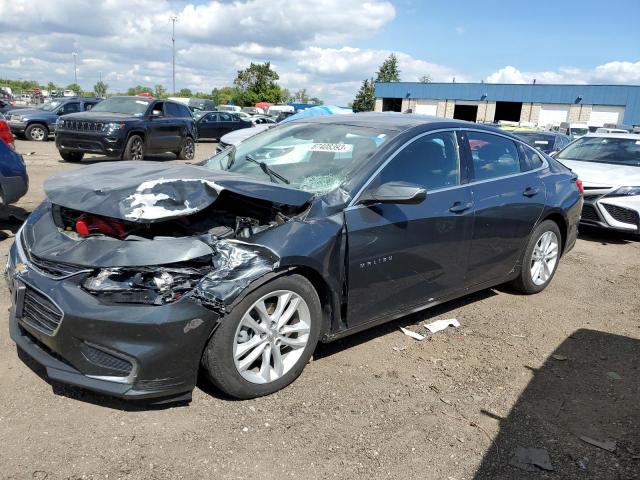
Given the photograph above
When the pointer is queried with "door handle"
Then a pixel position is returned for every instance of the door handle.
(531, 191)
(460, 207)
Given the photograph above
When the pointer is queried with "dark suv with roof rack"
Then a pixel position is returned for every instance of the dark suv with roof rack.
(128, 128)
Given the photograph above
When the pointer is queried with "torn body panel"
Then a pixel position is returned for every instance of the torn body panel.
(151, 191)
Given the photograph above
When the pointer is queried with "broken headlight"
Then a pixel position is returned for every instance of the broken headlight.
(144, 285)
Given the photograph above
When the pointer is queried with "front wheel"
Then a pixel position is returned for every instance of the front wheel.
(37, 132)
(134, 150)
(540, 259)
(72, 156)
(265, 342)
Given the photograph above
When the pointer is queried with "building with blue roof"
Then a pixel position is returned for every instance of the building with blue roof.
(540, 104)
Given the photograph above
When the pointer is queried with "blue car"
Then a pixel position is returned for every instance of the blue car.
(38, 123)
(14, 181)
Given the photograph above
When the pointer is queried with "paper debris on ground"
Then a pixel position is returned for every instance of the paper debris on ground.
(530, 459)
(560, 358)
(439, 325)
(609, 445)
(614, 376)
(411, 334)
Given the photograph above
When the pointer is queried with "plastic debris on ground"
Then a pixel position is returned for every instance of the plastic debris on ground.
(531, 459)
(411, 334)
(609, 445)
(440, 325)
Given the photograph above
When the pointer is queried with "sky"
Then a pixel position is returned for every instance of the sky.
(325, 46)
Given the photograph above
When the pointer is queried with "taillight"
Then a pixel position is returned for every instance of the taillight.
(5, 134)
(579, 184)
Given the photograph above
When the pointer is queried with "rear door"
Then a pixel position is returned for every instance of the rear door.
(175, 125)
(404, 256)
(508, 200)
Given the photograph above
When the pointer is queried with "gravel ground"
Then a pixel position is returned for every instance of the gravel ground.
(533, 372)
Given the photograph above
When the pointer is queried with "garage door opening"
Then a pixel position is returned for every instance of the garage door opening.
(465, 112)
(510, 111)
(391, 104)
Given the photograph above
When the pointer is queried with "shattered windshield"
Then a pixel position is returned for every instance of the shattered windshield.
(126, 105)
(314, 157)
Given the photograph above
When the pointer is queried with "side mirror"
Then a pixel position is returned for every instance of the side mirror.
(395, 192)
(155, 113)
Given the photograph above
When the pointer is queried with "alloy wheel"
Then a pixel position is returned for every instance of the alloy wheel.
(271, 336)
(137, 152)
(189, 149)
(37, 134)
(544, 258)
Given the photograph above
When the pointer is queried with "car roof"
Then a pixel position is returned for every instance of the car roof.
(396, 121)
(632, 136)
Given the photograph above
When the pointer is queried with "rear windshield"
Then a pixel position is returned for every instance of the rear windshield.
(618, 151)
(126, 105)
(538, 140)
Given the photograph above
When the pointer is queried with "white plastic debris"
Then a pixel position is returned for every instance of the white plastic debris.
(439, 325)
(411, 334)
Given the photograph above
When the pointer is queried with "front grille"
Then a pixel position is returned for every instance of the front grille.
(82, 126)
(589, 213)
(55, 269)
(40, 313)
(105, 360)
(621, 214)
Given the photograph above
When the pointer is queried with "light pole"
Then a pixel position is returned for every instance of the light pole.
(75, 68)
(173, 20)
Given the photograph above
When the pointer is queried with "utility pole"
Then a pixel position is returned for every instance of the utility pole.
(75, 68)
(173, 20)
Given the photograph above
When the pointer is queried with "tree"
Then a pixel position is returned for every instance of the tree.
(185, 92)
(225, 95)
(159, 91)
(388, 71)
(316, 100)
(100, 89)
(51, 87)
(258, 83)
(365, 100)
(425, 79)
(77, 89)
(138, 89)
(301, 96)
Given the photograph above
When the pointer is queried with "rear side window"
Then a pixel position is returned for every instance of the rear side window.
(431, 161)
(71, 107)
(184, 111)
(171, 110)
(225, 117)
(493, 156)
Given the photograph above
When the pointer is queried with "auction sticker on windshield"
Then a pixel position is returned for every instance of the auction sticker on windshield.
(331, 147)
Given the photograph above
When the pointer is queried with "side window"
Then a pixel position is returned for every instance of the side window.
(493, 156)
(184, 111)
(171, 110)
(88, 106)
(71, 107)
(431, 161)
(225, 117)
(158, 109)
(535, 160)
(212, 117)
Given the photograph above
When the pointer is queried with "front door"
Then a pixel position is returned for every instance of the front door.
(402, 257)
(508, 201)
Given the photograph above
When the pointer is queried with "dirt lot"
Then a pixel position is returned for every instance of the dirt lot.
(537, 371)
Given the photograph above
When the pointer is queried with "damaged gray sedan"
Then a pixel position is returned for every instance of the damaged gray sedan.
(132, 278)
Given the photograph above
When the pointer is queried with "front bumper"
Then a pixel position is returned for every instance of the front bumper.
(13, 188)
(123, 350)
(90, 142)
(16, 127)
(615, 213)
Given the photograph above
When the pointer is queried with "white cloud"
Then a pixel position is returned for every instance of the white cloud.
(612, 72)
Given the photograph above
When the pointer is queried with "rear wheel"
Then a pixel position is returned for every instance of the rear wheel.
(188, 150)
(540, 259)
(265, 342)
(72, 156)
(37, 132)
(134, 150)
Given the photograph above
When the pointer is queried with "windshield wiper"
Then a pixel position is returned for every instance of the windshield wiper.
(267, 170)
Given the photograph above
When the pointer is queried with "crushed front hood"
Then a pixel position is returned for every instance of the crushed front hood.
(154, 191)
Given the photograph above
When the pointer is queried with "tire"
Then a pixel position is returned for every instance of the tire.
(134, 150)
(229, 366)
(536, 274)
(188, 150)
(72, 156)
(37, 132)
